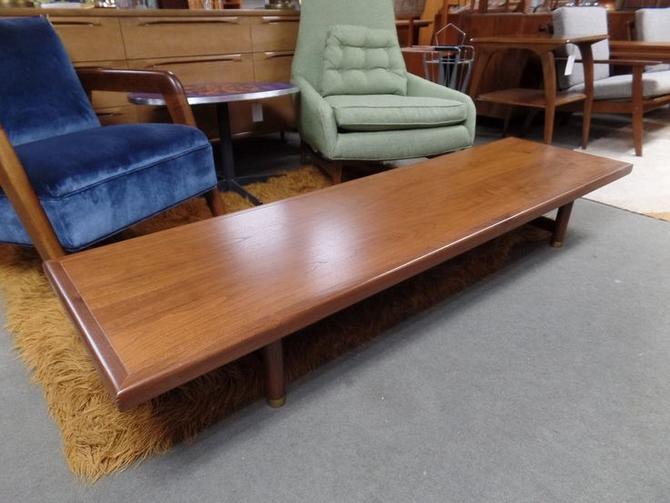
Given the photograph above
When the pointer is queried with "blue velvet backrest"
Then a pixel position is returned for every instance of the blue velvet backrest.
(40, 94)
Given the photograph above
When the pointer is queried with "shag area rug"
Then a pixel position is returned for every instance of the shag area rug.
(99, 440)
(647, 189)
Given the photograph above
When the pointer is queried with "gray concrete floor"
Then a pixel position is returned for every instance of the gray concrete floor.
(547, 382)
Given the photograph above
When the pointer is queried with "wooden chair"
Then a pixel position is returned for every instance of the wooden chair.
(67, 183)
(635, 93)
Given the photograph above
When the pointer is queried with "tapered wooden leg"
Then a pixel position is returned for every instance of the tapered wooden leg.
(275, 386)
(638, 110)
(561, 226)
(549, 113)
(587, 57)
(586, 126)
(335, 171)
(215, 203)
(549, 78)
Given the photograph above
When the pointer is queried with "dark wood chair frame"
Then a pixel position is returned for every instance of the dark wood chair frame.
(14, 180)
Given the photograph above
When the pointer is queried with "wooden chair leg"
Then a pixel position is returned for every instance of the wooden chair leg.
(335, 171)
(638, 110)
(586, 126)
(549, 81)
(549, 114)
(275, 384)
(215, 203)
(561, 225)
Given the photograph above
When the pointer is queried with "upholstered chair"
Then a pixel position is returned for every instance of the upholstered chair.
(67, 183)
(653, 25)
(357, 100)
(628, 93)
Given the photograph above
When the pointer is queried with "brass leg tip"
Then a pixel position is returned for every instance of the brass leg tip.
(557, 244)
(276, 403)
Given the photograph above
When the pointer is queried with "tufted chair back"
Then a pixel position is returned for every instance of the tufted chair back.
(317, 17)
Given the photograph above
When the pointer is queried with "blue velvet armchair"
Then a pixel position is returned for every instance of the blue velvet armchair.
(67, 183)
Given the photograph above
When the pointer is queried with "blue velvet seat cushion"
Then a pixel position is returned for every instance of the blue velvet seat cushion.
(96, 182)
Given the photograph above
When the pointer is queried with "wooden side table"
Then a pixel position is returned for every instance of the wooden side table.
(549, 97)
(221, 94)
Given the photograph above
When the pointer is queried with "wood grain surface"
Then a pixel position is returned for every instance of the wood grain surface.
(162, 309)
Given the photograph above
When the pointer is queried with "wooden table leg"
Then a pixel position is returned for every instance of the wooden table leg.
(587, 58)
(561, 225)
(549, 77)
(275, 386)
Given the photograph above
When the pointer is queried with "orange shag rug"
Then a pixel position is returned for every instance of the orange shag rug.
(99, 440)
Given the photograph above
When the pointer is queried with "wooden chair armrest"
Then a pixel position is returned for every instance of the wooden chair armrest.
(141, 81)
(620, 62)
(624, 62)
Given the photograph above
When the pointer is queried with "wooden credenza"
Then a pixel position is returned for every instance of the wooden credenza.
(198, 46)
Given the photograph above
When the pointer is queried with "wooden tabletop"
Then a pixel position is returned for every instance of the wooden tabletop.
(509, 41)
(160, 310)
(221, 92)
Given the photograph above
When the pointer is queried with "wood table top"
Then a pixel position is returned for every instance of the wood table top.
(509, 41)
(221, 92)
(159, 310)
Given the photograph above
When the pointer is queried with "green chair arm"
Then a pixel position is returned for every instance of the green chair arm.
(416, 86)
(316, 122)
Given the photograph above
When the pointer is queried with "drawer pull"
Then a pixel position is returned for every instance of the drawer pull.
(232, 57)
(75, 23)
(106, 115)
(278, 54)
(279, 19)
(225, 20)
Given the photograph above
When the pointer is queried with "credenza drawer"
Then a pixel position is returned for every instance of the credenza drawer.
(272, 66)
(220, 68)
(90, 38)
(162, 37)
(275, 33)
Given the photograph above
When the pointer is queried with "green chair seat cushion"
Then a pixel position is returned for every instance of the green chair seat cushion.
(387, 112)
(360, 60)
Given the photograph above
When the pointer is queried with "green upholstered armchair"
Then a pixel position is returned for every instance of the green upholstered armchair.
(357, 100)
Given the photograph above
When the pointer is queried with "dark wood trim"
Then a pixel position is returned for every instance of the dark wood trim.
(141, 81)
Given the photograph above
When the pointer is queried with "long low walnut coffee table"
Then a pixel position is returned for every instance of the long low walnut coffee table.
(160, 310)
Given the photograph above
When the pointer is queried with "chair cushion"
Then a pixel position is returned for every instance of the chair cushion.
(40, 94)
(652, 25)
(386, 112)
(621, 86)
(577, 22)
(360, 60)
(97, 182)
